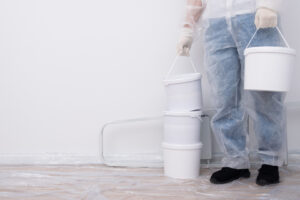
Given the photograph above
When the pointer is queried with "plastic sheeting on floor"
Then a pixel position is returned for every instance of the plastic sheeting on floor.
(98, 182)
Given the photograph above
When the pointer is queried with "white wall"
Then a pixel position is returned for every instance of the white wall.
(69, 66)
(291, 27)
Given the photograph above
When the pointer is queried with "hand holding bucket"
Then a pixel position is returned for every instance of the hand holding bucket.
(269, 68)
(174, 65)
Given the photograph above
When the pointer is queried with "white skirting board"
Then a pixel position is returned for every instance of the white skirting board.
(67, 159)
(48, 159)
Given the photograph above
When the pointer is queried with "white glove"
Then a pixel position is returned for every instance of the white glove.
(185, 42)
(265, 18)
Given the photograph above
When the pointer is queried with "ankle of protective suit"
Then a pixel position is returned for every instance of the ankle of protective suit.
(236, 162)
(274, 160)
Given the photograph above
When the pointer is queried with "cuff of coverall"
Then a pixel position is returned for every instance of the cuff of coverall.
(187, 32)
(274, 160)
(271, 4)
(236, 162)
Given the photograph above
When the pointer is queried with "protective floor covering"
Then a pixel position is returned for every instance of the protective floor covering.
(98, 182)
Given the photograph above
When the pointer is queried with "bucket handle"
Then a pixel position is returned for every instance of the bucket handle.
(174, 63)
(286, 43)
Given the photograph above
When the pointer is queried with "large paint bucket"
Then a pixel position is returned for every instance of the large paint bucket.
(182, 161)
(269, 68)
(182, 127)
(183, 91)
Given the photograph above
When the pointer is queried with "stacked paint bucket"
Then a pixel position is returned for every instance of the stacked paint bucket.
(182, 124)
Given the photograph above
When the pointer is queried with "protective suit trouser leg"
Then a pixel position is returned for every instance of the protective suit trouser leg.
(225, 42)
(268, 114)
(224, 74)
(266, 109)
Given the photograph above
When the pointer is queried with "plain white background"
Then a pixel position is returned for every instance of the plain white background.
(69, 66)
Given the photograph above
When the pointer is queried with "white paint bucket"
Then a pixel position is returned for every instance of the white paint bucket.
(269, 68)
(182, 127)
(182, 161)
(183, 91)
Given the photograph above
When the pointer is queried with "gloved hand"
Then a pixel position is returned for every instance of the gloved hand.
(265, 18)
(185, 42)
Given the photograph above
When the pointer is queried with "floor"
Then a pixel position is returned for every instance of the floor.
(99, 182)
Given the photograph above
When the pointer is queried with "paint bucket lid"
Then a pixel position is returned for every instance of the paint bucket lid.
(182, 78)
(181, 146)
(270, 49)
(196, 113)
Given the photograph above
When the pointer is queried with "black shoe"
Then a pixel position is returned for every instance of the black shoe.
(267, 175)
(227, 174)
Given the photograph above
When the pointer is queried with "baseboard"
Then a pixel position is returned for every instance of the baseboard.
(48, 159)
(78, 159)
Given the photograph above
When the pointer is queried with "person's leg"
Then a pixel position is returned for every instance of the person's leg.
(224, 74)
(268, 114)
(266, 109)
